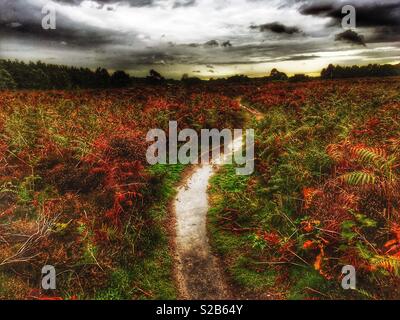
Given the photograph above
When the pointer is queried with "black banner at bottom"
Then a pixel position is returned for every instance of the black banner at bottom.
(182, 309)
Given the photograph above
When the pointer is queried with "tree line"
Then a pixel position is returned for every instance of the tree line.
(371, 70)
(20, 75)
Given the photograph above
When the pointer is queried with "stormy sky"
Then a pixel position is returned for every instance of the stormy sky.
(205, 38)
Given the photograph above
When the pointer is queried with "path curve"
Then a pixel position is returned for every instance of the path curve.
(257, 114)
(199, 274)
(198, 271)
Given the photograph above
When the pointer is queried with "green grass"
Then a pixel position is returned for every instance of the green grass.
(304, 281)
(150, 277)
(246, 276)
(291, 151)
(12, 288)
(228, 190)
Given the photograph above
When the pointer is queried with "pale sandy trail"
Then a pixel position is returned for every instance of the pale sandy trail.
(198, 271)
(257, 114)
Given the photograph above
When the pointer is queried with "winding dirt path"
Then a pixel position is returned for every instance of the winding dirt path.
(257, 114)
(197, 270)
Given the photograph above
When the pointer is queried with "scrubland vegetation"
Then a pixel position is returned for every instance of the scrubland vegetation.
(77, 193)
(326, 193)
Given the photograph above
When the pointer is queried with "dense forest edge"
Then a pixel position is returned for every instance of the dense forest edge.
(38, 75)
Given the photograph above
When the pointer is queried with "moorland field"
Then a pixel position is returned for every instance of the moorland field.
(77, 193)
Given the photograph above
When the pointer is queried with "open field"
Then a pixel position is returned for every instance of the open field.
(326, 193)
(77, 193)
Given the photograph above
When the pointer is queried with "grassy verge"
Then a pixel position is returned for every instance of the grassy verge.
(322, 163)
(238, 207)
(151, 277)
(230, 232)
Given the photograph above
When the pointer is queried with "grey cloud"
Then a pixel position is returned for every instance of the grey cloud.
(24, 20)
(93, 46)
(132, 3)
(276, 27)
(382, 19)
(300, 58)
(184, 3)
(369, 14)
(352, 37)
(212, 43)
(227, 44)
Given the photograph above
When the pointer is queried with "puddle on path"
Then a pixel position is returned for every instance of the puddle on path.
(199, 274)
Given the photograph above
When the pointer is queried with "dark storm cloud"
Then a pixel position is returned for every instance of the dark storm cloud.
(173, 34)
(320, 9)
(24, 20)
(157, 57)
(300, 58)
(132, 3)
(212, 43)
(350, 36)
(226, 44)
(276, 27)
(209, 57)
(88, 37)
(129, 60)
(383, 18)
(184, 3)
(265, 53)
(368, 14)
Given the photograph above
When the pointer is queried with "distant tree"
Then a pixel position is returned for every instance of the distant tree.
(238, 78)
(190, 80)
(299, 78)
(59, 79)
(371, 70)
(35, 78)
(6, 81)
(277, 75)
(328, 72)
(102, 78)
(39, 75)
(154, 75)
(120, 79)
